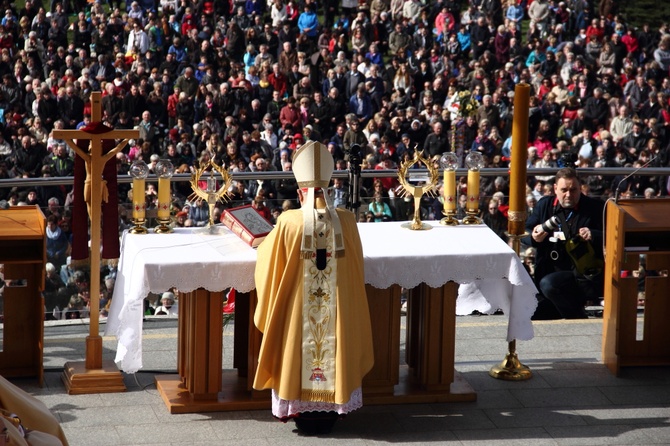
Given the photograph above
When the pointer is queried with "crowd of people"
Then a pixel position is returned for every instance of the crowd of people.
(247, 82)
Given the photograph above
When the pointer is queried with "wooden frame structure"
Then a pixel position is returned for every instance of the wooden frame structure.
(636, 228)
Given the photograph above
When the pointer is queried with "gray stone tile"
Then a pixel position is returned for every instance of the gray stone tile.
(632, 415)
(645, 375)
(180, 433)
(110, 416)
(657, 434)
(535, 417)
(133, 396)
(568, 327)
(564, 357)
(646, 395)
(482, 381)
(104, 435)
(237, 442)
(504, 437)
(563, 397)
(599, 435)
(599, 375)
(412, 438)
(447, 418)
(250, 429)
(495, 399)
(493, 348)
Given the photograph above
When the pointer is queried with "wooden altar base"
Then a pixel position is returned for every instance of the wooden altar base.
(79, 380)
(235, 396)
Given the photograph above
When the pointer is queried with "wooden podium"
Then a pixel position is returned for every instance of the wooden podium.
(23, 253)
(635, 228)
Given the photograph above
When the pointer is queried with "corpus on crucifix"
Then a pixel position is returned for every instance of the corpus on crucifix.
(90, 144)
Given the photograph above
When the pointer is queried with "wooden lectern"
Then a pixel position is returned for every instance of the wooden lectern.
(635, 228)
(23, 253)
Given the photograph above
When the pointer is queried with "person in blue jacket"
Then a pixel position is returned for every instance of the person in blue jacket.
(308, 22)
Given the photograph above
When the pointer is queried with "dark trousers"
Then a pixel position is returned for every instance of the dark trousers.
(568, 293)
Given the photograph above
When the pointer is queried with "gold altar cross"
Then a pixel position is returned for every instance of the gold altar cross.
(93, 194)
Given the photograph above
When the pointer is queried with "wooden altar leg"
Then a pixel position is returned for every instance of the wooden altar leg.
(437, 331)
(243, 327)
(199, 353)
(201, 384)
(429, 376)
(385, 306)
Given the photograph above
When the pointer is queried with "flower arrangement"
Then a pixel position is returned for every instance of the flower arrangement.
(463, 104)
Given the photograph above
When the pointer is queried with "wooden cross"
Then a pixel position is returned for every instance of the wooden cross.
(93, 192)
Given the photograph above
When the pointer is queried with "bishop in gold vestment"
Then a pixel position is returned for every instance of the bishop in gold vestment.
(312, 307)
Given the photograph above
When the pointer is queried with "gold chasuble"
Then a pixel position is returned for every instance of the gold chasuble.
(312, 307)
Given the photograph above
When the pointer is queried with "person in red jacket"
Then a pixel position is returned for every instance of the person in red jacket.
(290, 114)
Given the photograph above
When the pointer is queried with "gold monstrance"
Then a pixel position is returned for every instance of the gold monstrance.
(211, 193)
(429, 188)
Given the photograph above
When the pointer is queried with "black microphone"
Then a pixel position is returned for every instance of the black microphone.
(616, 192)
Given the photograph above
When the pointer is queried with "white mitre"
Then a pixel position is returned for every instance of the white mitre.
(313, 167)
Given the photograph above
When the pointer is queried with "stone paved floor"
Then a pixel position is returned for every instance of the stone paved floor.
(572, 398)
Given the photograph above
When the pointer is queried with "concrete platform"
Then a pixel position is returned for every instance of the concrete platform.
(572, 398)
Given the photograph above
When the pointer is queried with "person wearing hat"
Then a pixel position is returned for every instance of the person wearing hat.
(168, 307)
(312, 309)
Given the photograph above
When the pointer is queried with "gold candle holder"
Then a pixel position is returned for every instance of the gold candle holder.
(164, 170)
(211, 193)
(139, 171)
(417, 191)
(511, 368)
(475, 162)
(449, 162)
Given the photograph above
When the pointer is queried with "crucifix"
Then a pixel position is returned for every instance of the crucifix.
(91, 377)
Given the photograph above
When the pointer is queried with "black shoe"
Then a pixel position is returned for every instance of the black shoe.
(316, 423)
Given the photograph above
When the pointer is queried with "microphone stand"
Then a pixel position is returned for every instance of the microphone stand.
(355, 160)
(618, 186)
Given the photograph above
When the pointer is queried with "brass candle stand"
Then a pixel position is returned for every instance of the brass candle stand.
(472, 217)
(211, 194)
(139, 227)
(450, 218)
(417, 191)
(511, 369)
(163, 226)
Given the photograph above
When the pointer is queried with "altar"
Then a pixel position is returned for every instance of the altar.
(436, 265)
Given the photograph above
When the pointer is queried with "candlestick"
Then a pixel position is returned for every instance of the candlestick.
(164, 170)
(139, 200)
(517, 191)
(449, 190)
(163, 198)
(474, 161)
(511, 368)
(449, 162)
(139, 171)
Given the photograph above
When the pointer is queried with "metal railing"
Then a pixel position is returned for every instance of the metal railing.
(278, 175)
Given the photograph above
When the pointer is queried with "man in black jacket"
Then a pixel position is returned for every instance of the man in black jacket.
(596, 110)
(557, 219)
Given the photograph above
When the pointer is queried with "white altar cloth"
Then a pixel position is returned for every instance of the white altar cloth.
(490, 273)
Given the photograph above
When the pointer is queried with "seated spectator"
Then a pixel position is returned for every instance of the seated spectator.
(168, 306)
(57, 243)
